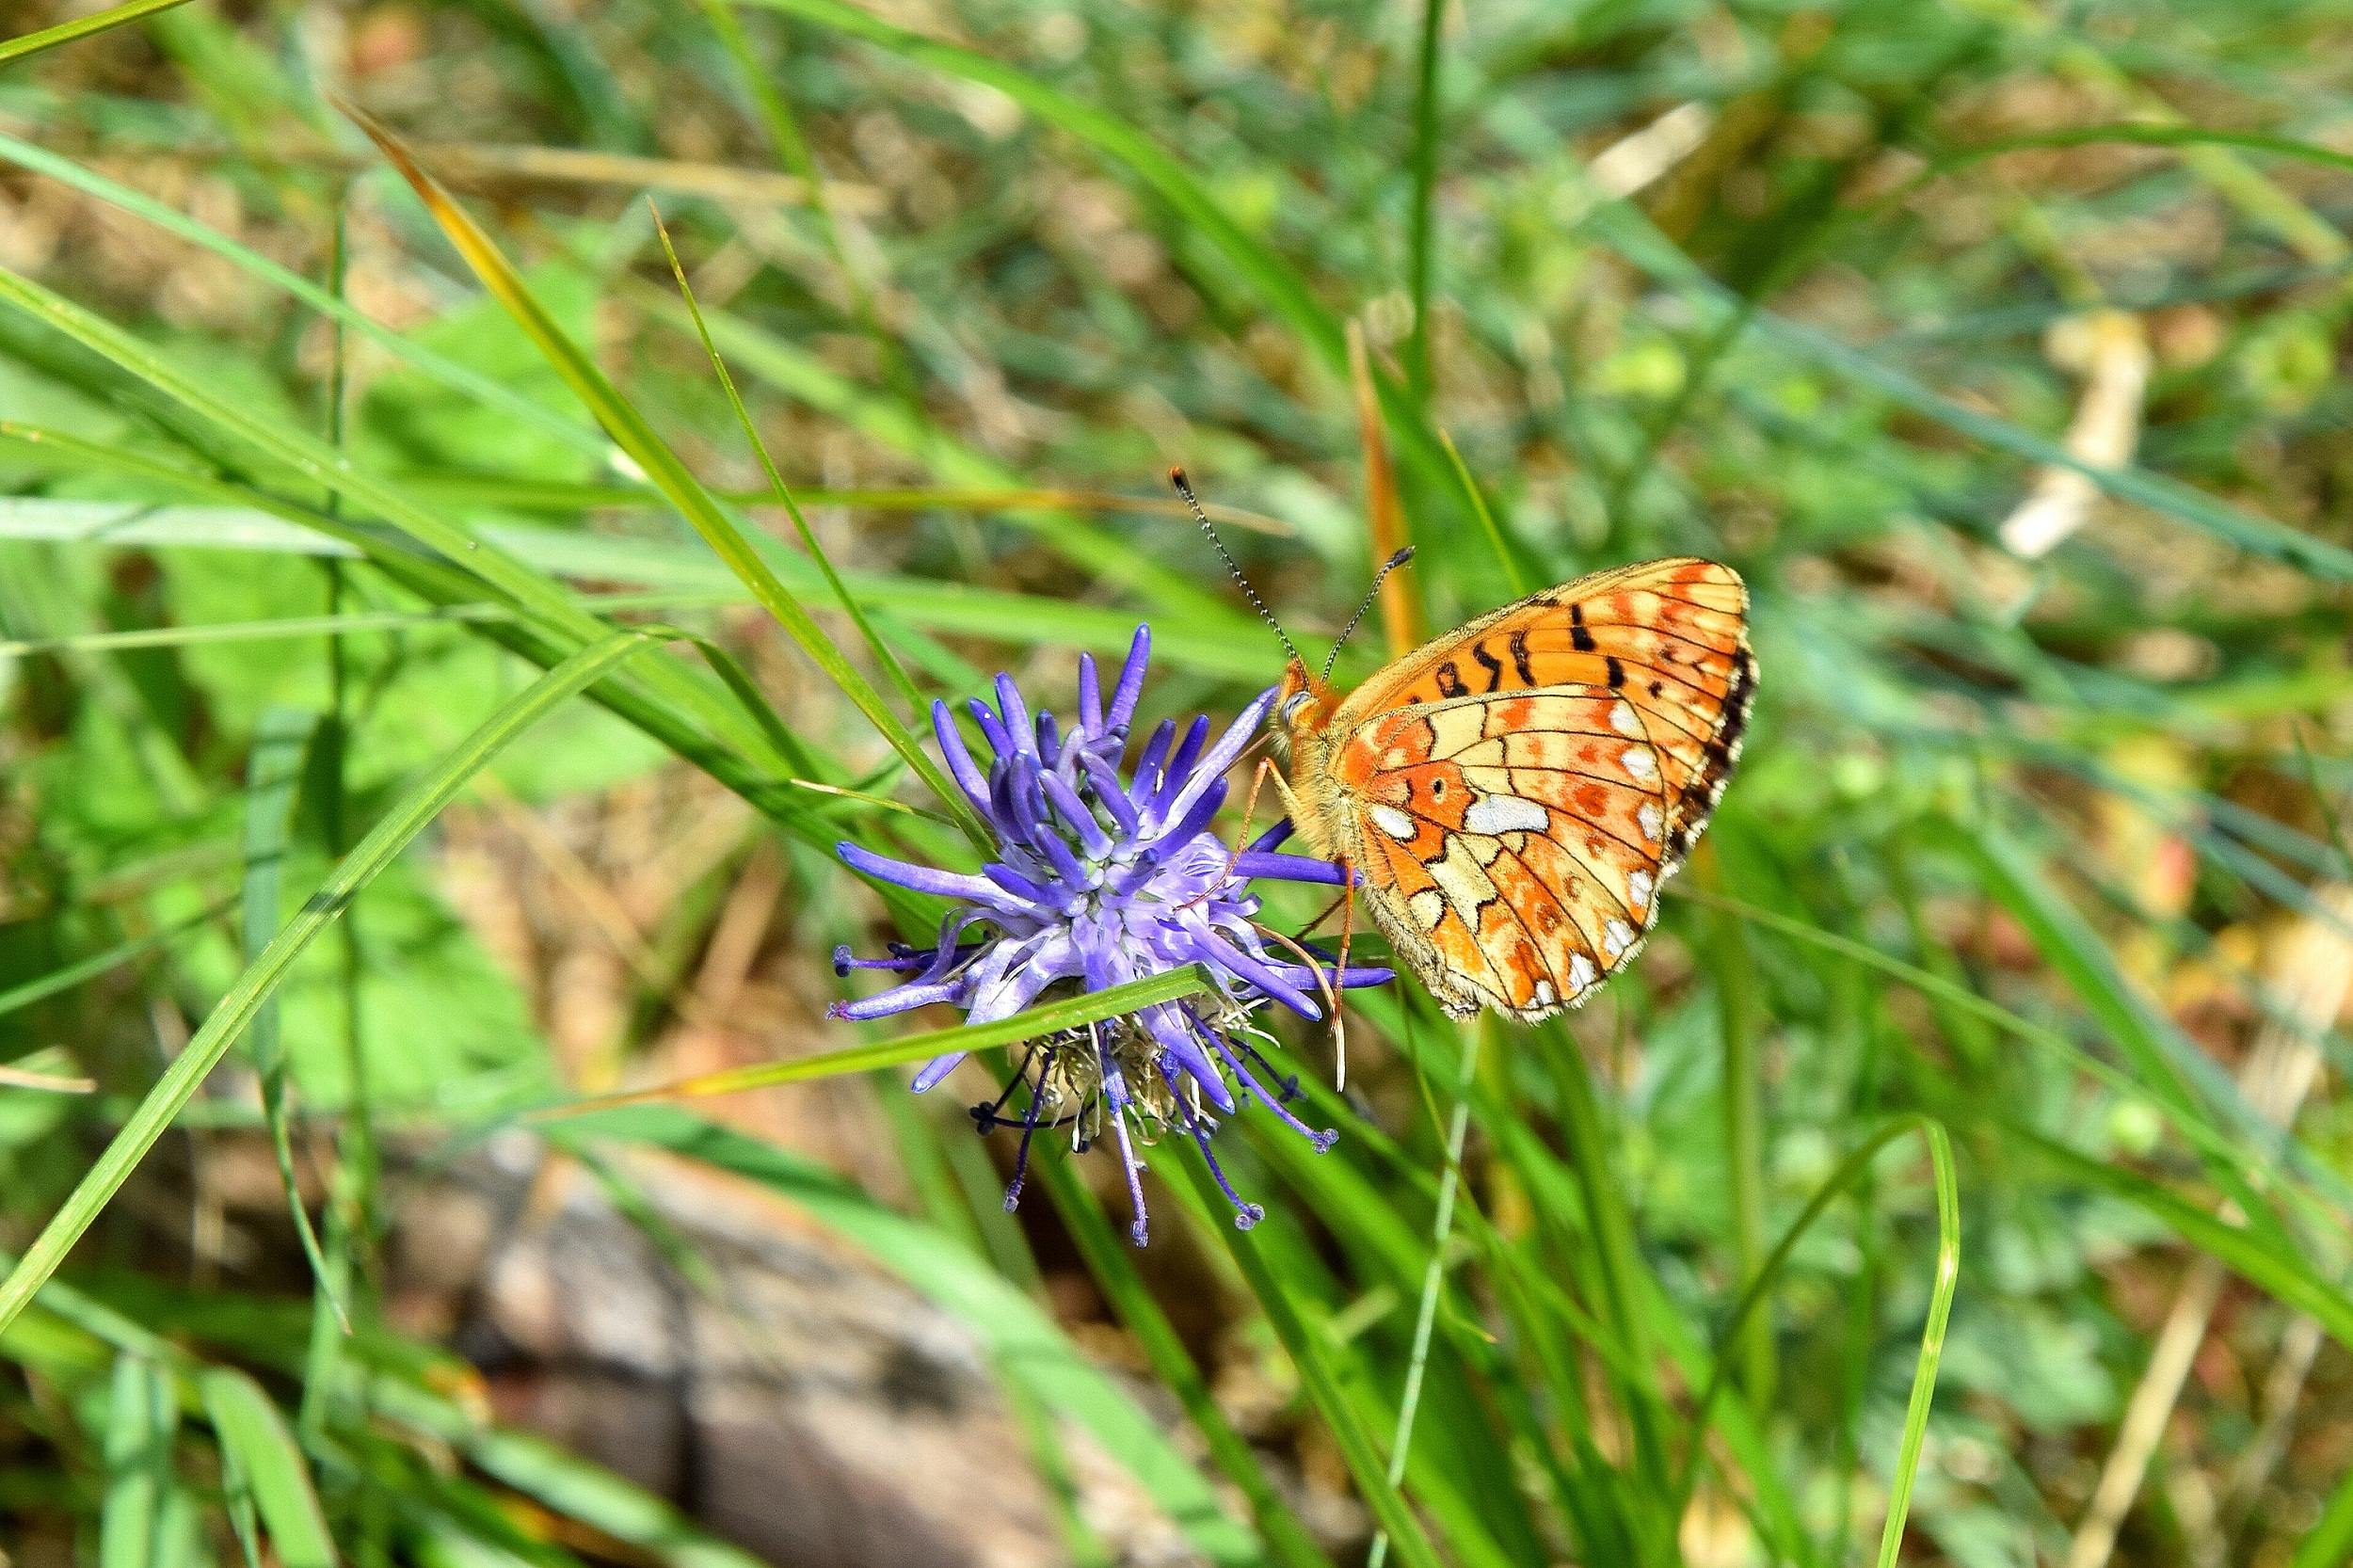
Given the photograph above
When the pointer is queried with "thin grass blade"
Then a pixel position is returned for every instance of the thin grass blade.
(82, 27)
(1071, 1013)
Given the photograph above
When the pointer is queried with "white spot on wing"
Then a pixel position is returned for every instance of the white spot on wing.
(1616, 938)
(1639, 764)
(1545, 995)
(1624, 719)
(1638, 888)
(1581, 972)
(1427, 907)
(1464, 881)
(1651, 820)
(1394, 823)
(1504, 814)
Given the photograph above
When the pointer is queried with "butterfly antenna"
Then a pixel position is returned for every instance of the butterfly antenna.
(1370, 594)
(1184, 488)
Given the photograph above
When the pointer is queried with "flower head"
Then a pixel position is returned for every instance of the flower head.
(1101, 880)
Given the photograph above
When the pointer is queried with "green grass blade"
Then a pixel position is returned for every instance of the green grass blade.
(1932, 1343)
(1070, 1013)
(272, 769)
(1619, 1256)
(547, 1474)
(1737, 1005)
(271, 1471)
(2130, 134)
(669, 474)
(90, 969)
(1506, 557)
(142, 1428)
(416, 808)
(2330, 1541)
(82, 27)
(1224, 644)
(1442, 1227)
(1851, 1174)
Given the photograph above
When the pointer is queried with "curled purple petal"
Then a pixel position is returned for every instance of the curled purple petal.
(992, 730)
(921, 879)
(1252, 864)
(1090, 698)
(1179, 771)
(960, 764)
(1014, 883)
(1229, 956)
(898, 999)
(1229, 745)
(1146, 781)
(1131, 680)
(1015, 715)
(935, 1069)
(1198, 812)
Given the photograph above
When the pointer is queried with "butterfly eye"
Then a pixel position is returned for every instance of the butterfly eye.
(1292, 704)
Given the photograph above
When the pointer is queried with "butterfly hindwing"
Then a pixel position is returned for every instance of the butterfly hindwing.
(1515, 792)
(1517, 839)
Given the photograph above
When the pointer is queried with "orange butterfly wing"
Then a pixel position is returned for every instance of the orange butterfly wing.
(1515, 792)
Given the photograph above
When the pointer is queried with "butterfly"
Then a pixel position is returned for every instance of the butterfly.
(1513, 793)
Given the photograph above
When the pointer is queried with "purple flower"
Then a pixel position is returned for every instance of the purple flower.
(1100, 881)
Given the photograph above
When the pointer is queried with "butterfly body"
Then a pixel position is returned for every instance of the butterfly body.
(1512, 794)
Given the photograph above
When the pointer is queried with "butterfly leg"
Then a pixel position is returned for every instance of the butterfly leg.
(1308, 962)
(1249, 809)
(1348, 926)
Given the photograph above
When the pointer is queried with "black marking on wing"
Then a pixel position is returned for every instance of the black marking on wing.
(1519, 657)
(1579, 638)
(1492, 666)
(1450, 681)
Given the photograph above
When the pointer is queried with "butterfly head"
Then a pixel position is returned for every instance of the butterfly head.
(1304, 702)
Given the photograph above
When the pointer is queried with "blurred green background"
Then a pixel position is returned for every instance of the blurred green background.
(1997, 345)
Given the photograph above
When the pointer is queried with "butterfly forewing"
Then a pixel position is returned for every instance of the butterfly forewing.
(1519, 789)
